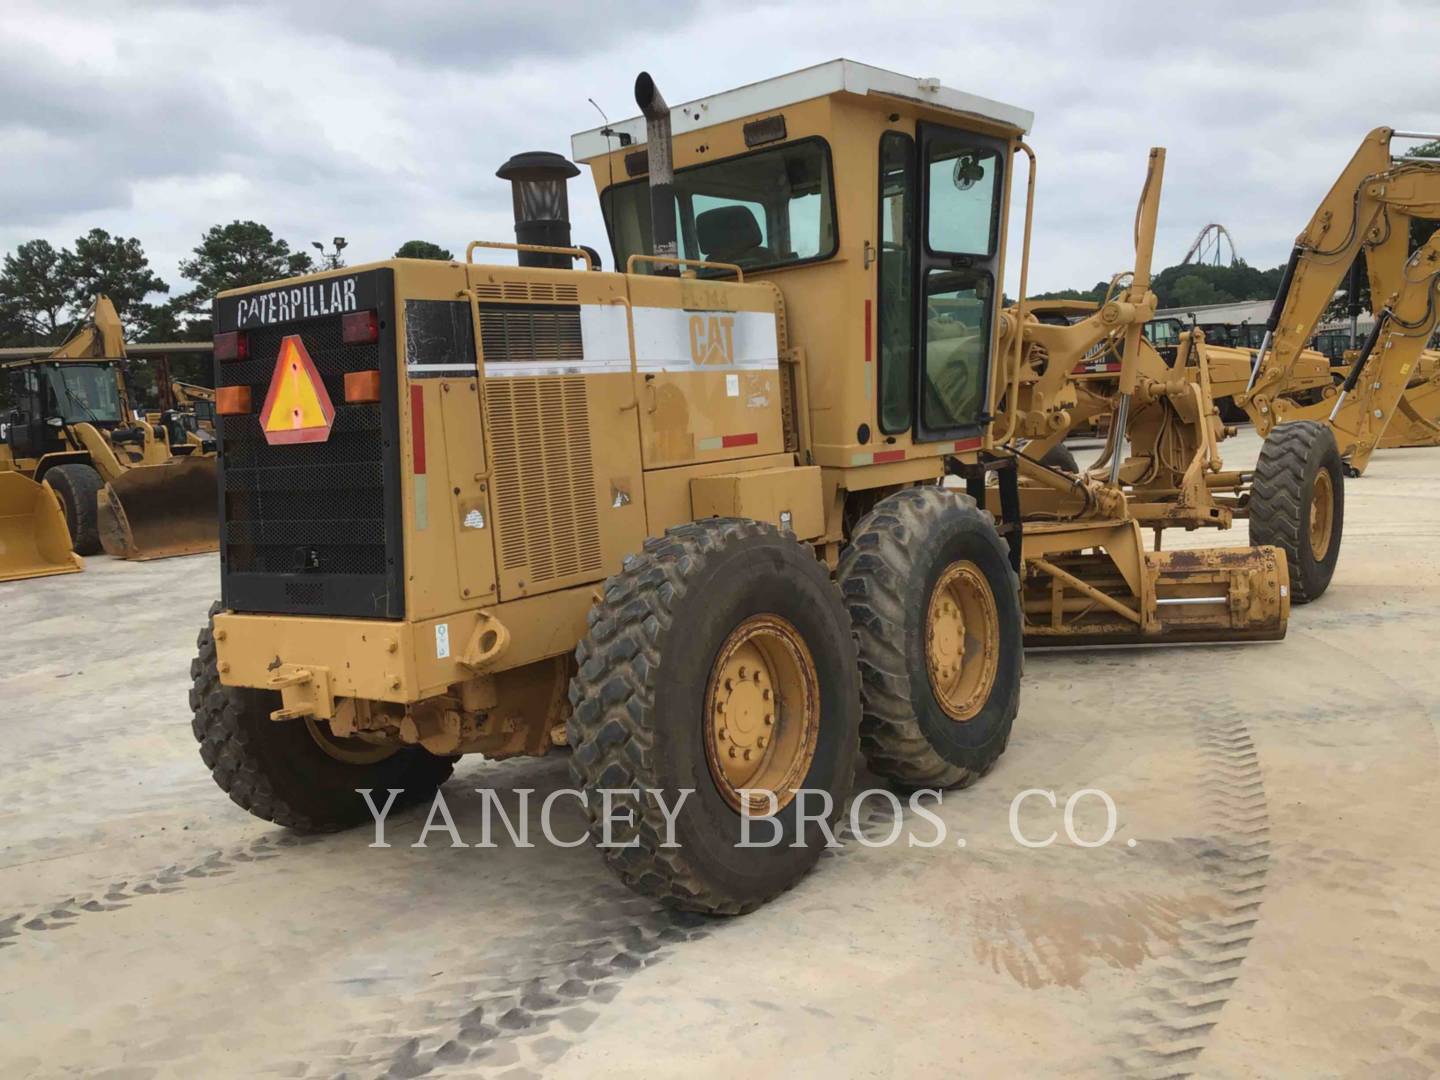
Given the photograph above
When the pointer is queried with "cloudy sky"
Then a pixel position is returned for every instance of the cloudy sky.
(384, 121)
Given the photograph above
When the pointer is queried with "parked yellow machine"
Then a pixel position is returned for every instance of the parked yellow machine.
(127, 485)
(690, 519)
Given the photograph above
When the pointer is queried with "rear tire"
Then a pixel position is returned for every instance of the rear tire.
(643, 697)
(276, 769)
(1297, 503)
(78, 486)
(899, 554)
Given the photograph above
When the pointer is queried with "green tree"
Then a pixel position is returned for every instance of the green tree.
(423, 249)
(231, 256)
(33, 295)
(113, 265)
(1194, 289)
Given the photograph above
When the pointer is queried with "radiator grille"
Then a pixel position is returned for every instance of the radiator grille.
(515, 332)
(528, 291)
(546, 513)
(313, 527)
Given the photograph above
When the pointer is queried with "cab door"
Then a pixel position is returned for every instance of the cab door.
(958, 262)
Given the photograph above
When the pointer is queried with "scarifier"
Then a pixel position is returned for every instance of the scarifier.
(711, 521)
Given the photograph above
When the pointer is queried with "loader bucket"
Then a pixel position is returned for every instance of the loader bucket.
(156, 511)
(34, 541)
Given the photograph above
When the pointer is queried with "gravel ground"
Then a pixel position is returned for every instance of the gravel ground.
(1268, 904)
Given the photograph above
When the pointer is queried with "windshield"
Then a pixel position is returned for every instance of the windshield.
(83, 392)
(769, 208)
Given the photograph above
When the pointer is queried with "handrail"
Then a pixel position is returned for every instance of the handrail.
(486, 446)
(1013, 396)
(574, 253)
(670, 261)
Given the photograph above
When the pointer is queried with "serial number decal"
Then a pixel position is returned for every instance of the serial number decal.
(310, 301)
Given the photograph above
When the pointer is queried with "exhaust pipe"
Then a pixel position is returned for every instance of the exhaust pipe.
(662, 169)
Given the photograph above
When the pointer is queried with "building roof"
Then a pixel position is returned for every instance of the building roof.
(832, 77)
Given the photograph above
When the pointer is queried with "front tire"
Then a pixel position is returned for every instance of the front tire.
(1297, 503)
(277, 769)
(719, 658)
(78, 487)
(936, 611)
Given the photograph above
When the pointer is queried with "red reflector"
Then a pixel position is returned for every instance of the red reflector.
(360, 328)
(968, 444)
(417, 428)
(750, 438)
(884, 456)
(232, 400)
(362, 387)
(232, 346)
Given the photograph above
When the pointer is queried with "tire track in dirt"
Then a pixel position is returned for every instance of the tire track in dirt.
(550, 987)
(1168, 1029)
(121, 894)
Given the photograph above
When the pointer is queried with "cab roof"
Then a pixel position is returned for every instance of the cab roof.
(835, 76)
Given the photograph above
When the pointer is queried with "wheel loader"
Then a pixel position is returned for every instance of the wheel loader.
(136, 489)
(710, 521)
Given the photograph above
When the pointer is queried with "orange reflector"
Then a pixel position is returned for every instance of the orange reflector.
(297, 407)
(232, 401)
(362, 387)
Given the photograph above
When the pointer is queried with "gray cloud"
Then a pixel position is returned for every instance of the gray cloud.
(385, 121)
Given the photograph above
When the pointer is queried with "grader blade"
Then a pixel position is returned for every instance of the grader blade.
(34, 541)
(158, 511)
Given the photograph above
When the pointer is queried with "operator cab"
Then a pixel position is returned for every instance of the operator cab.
(45, 397)
(792, 179)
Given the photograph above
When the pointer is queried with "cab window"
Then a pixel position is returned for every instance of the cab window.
(766, 209)
(895, 323)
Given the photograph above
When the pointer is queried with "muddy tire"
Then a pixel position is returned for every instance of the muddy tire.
(648, 691)
(937, 713)
(277, 770)
(1297, 503)
(1060, 457)
(78, 486)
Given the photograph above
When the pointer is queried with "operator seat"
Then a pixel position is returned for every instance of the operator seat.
(731, 234)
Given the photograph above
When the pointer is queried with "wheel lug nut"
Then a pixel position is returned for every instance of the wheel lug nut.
(769, 719)
(732, 751)
(742, 671)
(760, 742)
(747, 755)
(765, 694)
(724, 733)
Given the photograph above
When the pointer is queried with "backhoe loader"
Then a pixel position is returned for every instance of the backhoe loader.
(1367, 213)
(700, 518)
(121, 482)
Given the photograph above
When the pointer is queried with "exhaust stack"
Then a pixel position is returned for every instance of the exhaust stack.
(662, 169)
(538, 182)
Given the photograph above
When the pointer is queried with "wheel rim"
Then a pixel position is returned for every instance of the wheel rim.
(762, 713)
(1322, 514)
(962, 640)
(350, 751)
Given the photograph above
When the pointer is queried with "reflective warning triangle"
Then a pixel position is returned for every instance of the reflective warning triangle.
(297, 407)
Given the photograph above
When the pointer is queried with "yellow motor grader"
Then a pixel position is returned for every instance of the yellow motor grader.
(699, 518)
(119, 482)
